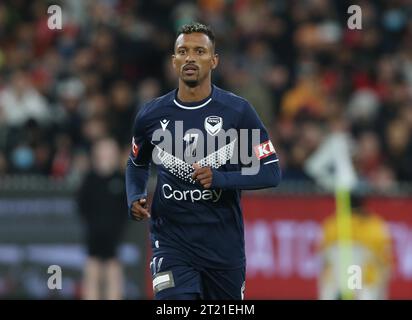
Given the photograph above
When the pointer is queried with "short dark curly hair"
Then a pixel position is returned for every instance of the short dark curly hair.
(197, 27)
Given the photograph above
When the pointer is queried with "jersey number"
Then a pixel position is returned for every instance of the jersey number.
(190, 144)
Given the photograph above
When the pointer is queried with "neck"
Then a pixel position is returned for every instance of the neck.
(198, 93)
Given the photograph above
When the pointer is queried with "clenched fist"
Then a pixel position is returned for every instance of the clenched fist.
(204, 175)
(139, 210)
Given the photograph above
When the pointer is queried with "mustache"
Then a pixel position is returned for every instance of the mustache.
(190, 66)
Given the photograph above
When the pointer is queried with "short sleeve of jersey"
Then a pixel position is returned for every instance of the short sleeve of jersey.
(141, 148)
(259, 143)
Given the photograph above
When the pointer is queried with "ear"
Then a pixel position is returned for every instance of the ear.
(215, 61)
(174, 61)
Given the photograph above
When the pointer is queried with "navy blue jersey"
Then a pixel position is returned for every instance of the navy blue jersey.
(203, 226)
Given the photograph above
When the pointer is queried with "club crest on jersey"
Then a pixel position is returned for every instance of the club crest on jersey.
(213, 124)
(135, 148)
(264, 149)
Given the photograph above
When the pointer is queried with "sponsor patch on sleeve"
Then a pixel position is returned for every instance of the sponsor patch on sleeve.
(264, 149)
(135, 148)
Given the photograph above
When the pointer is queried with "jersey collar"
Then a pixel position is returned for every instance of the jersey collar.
(196, 104)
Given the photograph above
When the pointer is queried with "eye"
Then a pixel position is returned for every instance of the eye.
(181, 51)
(200, 51)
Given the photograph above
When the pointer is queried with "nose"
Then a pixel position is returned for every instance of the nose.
(190, 58)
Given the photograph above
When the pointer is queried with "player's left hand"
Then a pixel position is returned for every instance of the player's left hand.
(204, 175)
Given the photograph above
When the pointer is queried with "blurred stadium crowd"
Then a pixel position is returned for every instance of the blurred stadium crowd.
(295, 61)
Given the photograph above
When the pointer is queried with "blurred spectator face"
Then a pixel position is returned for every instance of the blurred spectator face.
(71, 91)
(298, 155)
(277, 77)
(214, 6)
(20, 83)
(242, 79)
(370, 39)
(121, 96)
(406, 114)
(363, 105)
(257, 50)
(91, 81)
(42, 155)
(81, 163)
(94, 129)
(386, 69)
(400, 92)
(25, 33)
(62, 159)
(287, 131)
(148, 90)
(194, 58)
(107, 64)
(383, 179)
(397, 136)
(3, 164)
(368, 146)
(368, 153)
(312, 136)
(103, 41)
(106, 156)
(251, 17)
(96, 106)
(83, 59)
(62, 142)
(71, 105)
(338, 125)
(101, 12)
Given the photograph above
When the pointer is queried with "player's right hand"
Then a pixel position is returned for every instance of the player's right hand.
(139, 210)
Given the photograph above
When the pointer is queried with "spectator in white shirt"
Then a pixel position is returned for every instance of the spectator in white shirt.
(20, 102)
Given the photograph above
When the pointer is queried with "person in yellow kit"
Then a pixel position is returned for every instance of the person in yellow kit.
(370, 250)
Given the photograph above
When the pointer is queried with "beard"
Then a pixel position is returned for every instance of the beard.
(193, 80)
(191, 83)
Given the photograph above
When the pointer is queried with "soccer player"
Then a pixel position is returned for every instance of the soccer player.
(199, 136)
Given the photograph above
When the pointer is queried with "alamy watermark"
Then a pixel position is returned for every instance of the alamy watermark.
(55, 20)
(354, 277)
(178, 150)
(54, 282)
(355, 20)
